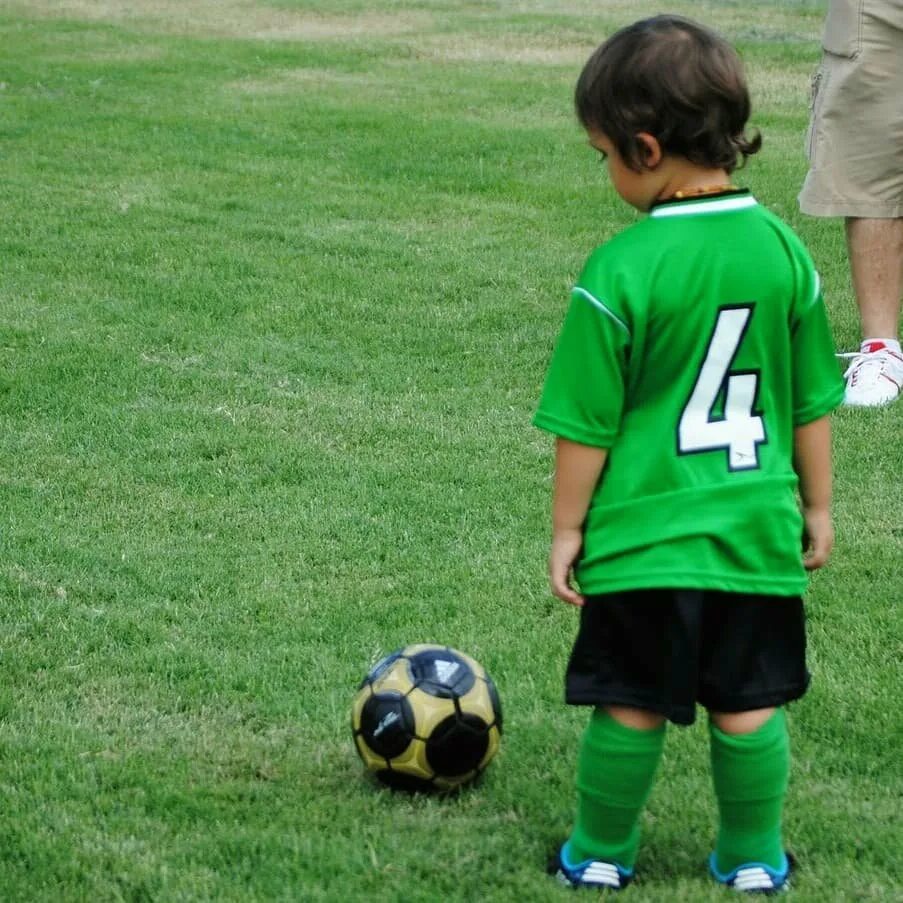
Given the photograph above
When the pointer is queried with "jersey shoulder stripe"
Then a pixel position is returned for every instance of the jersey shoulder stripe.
(583, 293)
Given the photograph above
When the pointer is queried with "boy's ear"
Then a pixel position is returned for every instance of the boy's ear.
(650, 150)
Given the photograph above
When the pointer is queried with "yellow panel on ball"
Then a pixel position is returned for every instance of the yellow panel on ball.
(494, 739)
(372, 761)
(413, 762)
(357, 707)
(475, 666)
(414, 648)
(395, 677)
(429, 711)
(477, 701)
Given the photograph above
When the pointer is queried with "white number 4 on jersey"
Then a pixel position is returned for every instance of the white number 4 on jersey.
(739, 430)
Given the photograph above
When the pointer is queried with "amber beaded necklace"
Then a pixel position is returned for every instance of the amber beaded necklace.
(700, 192)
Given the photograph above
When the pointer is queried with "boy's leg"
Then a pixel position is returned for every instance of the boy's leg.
(750, 768)
(618, 758)
(635, 656)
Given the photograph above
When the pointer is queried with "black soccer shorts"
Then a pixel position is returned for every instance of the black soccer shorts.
(666, 650)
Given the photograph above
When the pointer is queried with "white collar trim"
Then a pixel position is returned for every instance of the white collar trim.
(717, 205)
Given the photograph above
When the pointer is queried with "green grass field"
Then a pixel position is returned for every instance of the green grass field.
(278, 285)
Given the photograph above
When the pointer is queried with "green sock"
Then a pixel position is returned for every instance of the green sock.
(614, 776)
(750, 772)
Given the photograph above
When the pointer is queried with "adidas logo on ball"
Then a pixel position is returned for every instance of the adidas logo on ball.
(389, 719)
(445, 670)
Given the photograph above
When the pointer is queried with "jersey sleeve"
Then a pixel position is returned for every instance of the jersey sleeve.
(817, 384)
(583, 396)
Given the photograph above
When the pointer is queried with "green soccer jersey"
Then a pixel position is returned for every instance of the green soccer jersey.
(695, 341)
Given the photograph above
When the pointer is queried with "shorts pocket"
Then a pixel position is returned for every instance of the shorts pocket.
(843, 28)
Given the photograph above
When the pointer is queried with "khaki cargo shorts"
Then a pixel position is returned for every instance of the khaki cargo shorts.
(855, 137)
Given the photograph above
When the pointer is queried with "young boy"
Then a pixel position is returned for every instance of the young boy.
(689, 394)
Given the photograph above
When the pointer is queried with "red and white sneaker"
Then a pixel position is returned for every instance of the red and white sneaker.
(874, 376)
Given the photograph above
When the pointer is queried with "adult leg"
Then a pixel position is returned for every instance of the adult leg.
(876, 263)
(855, 151)
(875, 374)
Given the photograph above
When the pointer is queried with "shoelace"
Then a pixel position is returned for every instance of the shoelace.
(862, 362)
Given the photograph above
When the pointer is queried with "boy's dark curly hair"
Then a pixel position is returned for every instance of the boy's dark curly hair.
(676, 80)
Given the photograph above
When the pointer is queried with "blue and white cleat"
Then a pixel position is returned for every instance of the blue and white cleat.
(591, 873)
(754, 877)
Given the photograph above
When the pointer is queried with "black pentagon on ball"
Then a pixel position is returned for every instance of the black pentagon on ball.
(440, 672)
(387, 723)
(457, 745)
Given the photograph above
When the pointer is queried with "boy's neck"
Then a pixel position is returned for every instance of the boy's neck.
(686, 180)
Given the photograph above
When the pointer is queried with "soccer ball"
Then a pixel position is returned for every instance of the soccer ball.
(426, 718)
